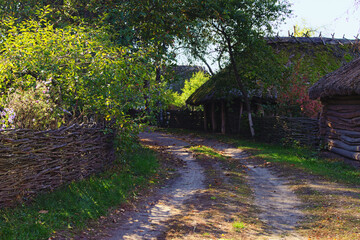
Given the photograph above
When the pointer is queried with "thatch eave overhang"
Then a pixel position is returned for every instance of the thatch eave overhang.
(343, 82)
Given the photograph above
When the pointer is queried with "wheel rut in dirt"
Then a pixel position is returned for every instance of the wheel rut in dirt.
(278, 204)
(148, 222)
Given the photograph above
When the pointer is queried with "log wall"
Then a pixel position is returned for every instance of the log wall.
(341, 126)
(33, 161)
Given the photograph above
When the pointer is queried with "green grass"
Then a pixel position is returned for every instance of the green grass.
(74, 205)
(297, 157)
(238, 226)
(207, 151)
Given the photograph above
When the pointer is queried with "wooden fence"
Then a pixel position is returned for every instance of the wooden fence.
(33, 161)
(284, 130)
(288, 131)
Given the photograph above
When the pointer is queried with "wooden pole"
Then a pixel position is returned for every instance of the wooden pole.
(213, 120)
(241, 112)
(223, 119)
(205, 118)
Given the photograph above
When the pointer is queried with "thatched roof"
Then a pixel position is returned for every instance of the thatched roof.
(215, 88)
(342, 82)
(318, 56)
(223, 86)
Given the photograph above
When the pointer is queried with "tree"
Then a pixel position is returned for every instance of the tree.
(236, 29)
(85, 73)
(190, 86)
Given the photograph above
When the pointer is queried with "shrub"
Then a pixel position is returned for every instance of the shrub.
(87, 73)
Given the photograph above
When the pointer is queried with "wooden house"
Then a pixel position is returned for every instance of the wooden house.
(222, 100)
(339, 93)
(223, 103)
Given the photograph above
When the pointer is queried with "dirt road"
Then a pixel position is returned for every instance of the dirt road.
(149, 223)
(277, 204)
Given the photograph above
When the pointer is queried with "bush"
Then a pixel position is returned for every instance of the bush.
(31, 109)
(87, 74)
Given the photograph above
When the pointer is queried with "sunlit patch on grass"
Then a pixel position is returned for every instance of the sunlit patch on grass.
(238, 226)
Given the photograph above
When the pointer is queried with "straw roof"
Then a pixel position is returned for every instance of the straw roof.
(343, 82)
(223, 86)
(319, 56)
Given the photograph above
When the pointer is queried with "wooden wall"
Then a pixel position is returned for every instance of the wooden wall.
(340, 125)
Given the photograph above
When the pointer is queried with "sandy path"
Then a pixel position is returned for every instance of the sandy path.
(278, 204)
(147, 223)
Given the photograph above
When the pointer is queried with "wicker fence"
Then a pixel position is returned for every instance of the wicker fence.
(284, 130)
(33, 161)
(298, 131)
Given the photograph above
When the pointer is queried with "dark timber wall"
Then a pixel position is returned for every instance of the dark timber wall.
(340, 125)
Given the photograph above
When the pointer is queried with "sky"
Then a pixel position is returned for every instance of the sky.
(325, 16)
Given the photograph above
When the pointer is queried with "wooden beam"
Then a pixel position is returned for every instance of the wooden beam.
(345, 153)
(241, 112)
(213, 120)
(223, 118)
(205, 118)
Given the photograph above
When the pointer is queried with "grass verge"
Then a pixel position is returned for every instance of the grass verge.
(72, 206)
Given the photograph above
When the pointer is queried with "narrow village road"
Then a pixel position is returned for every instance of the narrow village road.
(278, 205)
(149, 223)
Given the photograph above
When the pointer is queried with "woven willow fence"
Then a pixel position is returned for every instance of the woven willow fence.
(303, 131)
(33, 161)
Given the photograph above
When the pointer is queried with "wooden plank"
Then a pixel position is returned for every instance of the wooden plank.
(240, 114)
(348, 115)
(343, 108)
(352, 134)
(355, 122)
(341, 126)
(342, 145)
(223, 118)
(205, 117)
(213, 119)
(345, 153)
(343, 100)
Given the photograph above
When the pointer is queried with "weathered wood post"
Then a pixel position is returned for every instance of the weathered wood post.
(223, 118)
(213, 120)
(205, 118)
(241, 112)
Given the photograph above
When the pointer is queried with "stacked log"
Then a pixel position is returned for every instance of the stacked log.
(33, 161)
(342, 129)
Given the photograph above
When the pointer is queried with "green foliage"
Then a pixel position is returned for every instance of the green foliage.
(190, 86)
(306, 64)
(74, 205)
(86, 72)
(303, 31)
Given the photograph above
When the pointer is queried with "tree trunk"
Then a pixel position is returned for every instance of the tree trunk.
(240, 84)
